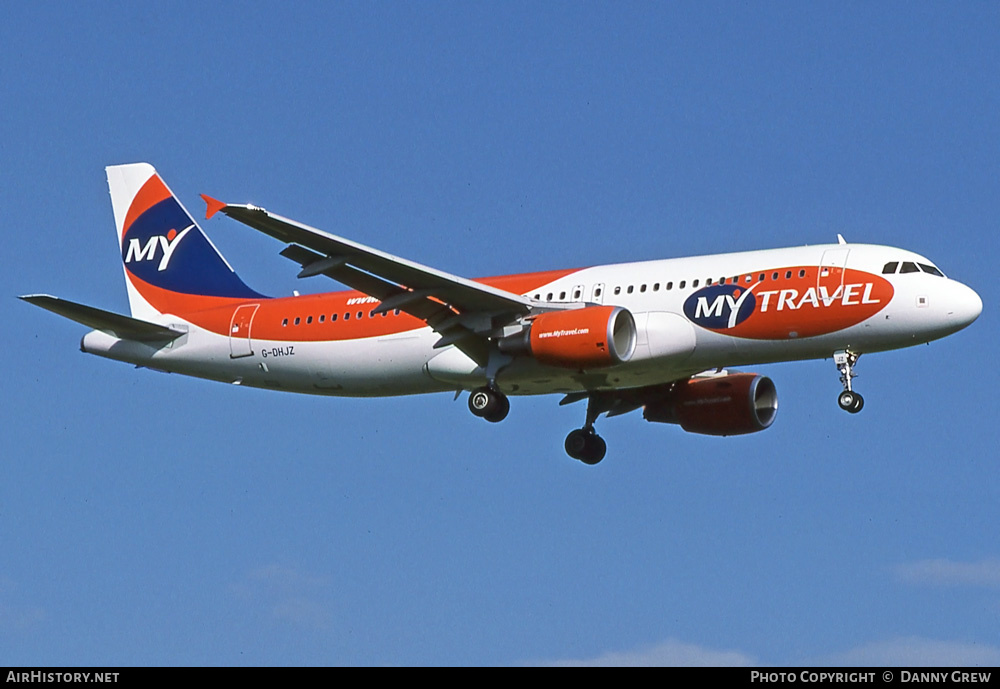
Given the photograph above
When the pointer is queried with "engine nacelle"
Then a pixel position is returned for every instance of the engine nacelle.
(733, 404)
(591, 337)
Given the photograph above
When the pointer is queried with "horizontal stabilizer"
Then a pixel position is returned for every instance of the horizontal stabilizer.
(116, 325)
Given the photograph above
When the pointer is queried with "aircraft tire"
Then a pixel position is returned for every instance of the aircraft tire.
(502, 409)
(596, 451)
(586, 446)
(859, 404)
(488, 404)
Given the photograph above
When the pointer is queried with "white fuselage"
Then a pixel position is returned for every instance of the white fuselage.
(807, 303)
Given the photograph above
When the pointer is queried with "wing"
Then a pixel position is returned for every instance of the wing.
(462, 311)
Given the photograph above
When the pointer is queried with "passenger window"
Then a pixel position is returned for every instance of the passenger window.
(802, 273)
(397, 312)
(360, 313)
(656, 287)
(597, 291)
(297, 320)
(618, 290)
(322, 318)
(890, 267)
(284, 322)
(642, 288)
(309, 320)
(347, 315)
(670, 285)
(909, 267)
(788, 274)
(333, 317)
(548, 297)
(576, 294)
(630, 289)
(708, 281)
(760, 278)
(681, 286)
(774, 275)
(562, 296)
(694, 284)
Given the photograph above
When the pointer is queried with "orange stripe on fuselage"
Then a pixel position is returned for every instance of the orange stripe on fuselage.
(522, 283)
(215, 314)
(187, 306)
(152, 192)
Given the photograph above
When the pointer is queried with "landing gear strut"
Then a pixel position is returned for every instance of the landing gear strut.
(848, 400)
(489, 403)
(584, 444)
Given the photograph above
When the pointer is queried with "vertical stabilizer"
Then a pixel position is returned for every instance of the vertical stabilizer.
(170, 264)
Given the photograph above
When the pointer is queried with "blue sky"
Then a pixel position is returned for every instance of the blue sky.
(154, 519)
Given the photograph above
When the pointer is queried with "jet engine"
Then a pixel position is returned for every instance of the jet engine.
(732, 404)
(591, 337)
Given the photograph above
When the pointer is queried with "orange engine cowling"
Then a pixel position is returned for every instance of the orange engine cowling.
(733, 404)
(591, 337)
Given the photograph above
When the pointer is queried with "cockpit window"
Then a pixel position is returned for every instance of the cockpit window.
(910, 267)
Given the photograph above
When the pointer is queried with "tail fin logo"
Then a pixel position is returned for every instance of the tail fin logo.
(137, 252)
(163, 246)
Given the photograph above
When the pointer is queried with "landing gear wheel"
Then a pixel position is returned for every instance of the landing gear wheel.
(859, 403)
(489, 404)
(576, 443)
(595, 453)
(500, 413)
(851, 401)
(586, 446)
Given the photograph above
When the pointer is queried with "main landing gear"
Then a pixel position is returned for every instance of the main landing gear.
(848, 400)
(489, 403)
(584, 444)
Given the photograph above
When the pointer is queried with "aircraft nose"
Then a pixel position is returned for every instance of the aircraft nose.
(966, 305)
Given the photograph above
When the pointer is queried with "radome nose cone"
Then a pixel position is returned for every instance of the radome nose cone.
(967, 305)
(975, 305)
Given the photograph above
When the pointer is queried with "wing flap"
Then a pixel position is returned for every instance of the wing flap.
(417, 303)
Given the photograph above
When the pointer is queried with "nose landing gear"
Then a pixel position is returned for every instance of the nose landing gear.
(848, 400)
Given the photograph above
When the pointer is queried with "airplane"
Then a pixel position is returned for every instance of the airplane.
(658, 335)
